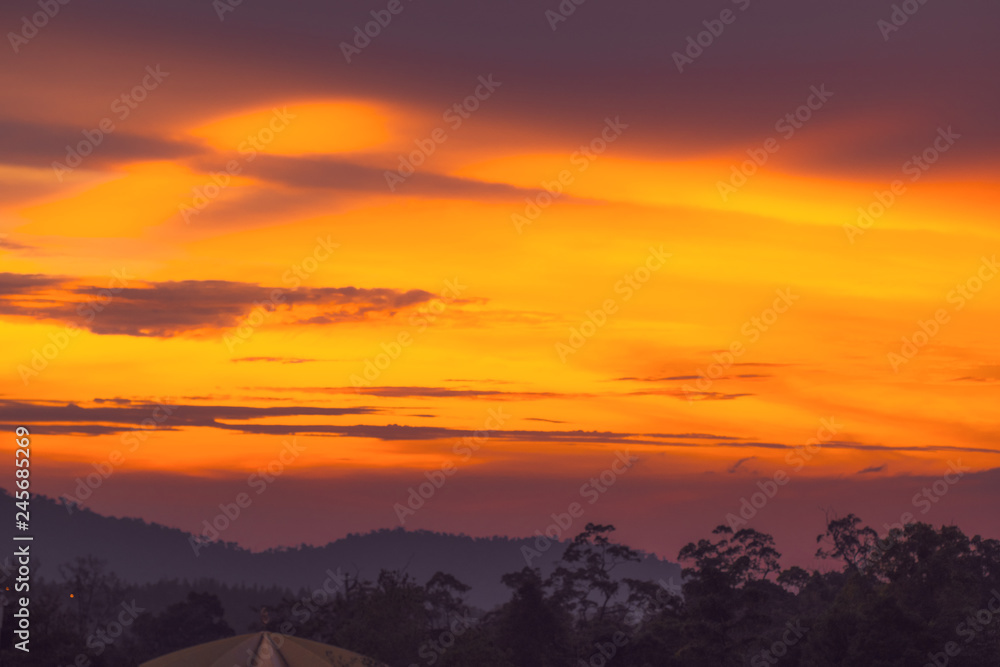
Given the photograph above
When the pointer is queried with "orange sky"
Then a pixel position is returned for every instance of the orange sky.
(234, 248)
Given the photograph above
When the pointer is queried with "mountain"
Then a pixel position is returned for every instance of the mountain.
(142, 553)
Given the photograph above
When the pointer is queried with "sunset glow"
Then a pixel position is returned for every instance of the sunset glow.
(277, 245)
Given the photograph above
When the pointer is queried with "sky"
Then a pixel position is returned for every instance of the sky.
(503, 268)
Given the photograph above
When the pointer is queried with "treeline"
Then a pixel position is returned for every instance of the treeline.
(921, 596)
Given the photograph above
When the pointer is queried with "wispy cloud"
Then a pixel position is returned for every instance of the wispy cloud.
(166, 309)
(733, 468)
(275, 360)
(70, 418)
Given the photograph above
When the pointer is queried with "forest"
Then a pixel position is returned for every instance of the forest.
(919, 596)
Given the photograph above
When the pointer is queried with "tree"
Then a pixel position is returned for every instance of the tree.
(728, 596)
(94, 593)
(196, 620)
(533, 628)
(584, 578)
(848, 541)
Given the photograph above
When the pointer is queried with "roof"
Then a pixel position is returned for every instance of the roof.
(262, 649)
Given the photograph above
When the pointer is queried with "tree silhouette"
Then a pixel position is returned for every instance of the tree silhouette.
(921, 595)
(196, 620)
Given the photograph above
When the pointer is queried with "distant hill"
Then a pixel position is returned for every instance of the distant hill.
(141, 552)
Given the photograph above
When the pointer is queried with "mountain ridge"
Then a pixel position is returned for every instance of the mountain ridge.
(142, 552)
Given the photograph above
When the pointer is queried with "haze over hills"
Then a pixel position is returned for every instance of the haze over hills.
(141, 552)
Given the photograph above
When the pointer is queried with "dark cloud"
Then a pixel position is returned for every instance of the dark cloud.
(733, 468)
(606, 59)
(333, 174)
(12, 245)
(428, 392)
(692, 436)
(53, 417)
(690, 395)
(872, 469)
(981, 374)
(496, 394)
(679, 378)
(398, 432)
(486, 381)
(671, 378)
(164, 309)
(277, 360)
(27, 283)
(34, 145)
(56, 418)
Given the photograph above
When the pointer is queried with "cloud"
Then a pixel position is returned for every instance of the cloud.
(549, 78)
(689, 395)
(496, 394)
(54, 417)
(278, 360)
(733, 468)
(981, 374)
(693, 436)
(166, 309)
(428, 392)
(872, 469)
(36, 145)
(27, 283)
(337, 174)
(12, 245)
(671, 378)
(61, 418)
(678, 378)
